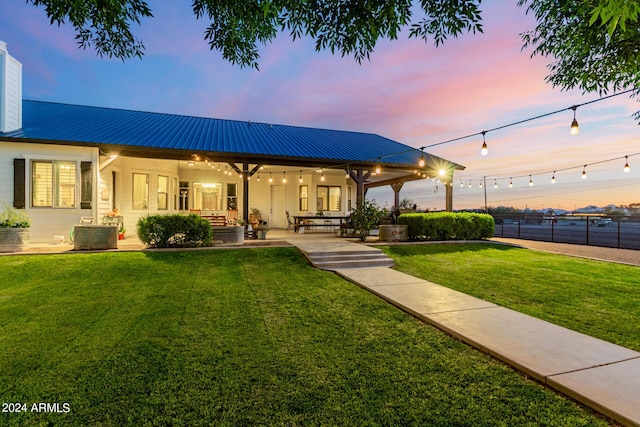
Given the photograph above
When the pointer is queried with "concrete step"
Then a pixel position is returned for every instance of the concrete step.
(354, 263)
(323, 257)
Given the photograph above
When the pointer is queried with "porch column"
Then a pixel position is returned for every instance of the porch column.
(396, 194)
(245, 191)
(359, 177)
(449, 193)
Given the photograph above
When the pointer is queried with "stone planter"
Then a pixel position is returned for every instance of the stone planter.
(14, 239)
(394, 233)
(228, 234)
(262, 235)
(93, 237)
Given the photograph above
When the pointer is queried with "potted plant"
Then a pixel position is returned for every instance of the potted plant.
(15, 230)
(121, 232)
(262, 230)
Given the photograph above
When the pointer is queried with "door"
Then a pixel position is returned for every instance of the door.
(277, 216)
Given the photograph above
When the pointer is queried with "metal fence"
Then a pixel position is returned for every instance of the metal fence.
(614, 232)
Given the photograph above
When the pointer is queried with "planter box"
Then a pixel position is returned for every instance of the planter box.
(230, 234)
(14, 239)
(393, 233)
(92, 237)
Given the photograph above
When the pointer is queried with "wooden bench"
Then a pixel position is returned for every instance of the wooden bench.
(216, 220)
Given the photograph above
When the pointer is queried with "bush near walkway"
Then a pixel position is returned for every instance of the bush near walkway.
(448, 225)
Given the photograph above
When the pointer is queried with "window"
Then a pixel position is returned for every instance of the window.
(140, 191)
(232, 197)
(53, 184)
(304, 198)
(184, 195)
(349, 199)
(163, 192)
(329, 198)
(207, 196)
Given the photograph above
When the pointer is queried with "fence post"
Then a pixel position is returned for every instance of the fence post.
(618, 233)
(587, 221)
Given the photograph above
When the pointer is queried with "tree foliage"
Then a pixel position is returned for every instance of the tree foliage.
(594, 45)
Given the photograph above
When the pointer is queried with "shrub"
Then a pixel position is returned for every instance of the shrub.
(174, 231)
(13, 218)
(364, 217)
(448, 226)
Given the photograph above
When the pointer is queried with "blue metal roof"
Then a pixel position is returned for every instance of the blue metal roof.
(64, 123)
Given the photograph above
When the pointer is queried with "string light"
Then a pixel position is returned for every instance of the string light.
(584, 172)
(442, 172)
(322, 178)
(284, 177)
(300, 177)
(575, 129)
(484, 151)
(510, 182)
(553, 177)
(495, 183)
(378, 168)
(480, 184)
(258, 176)
(530, 181)
(347, 175)
(469, 183)
(626, 164)
(461, 184)
(421, 162)
(270, 178)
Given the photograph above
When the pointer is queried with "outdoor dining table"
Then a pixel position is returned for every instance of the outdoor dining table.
(300, 221)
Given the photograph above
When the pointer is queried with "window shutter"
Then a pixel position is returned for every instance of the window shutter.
(86, 183)
(19, 179)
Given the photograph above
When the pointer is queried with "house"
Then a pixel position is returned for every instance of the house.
(64, 162)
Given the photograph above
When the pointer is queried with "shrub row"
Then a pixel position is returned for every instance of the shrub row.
(174, 231)
(448, 225)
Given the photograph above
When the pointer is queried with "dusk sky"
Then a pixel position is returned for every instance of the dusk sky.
(409, 91)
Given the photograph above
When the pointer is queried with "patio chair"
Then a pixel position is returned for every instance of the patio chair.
(232, 216)
(290, 223)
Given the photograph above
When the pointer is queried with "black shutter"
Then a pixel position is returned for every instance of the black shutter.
(19, 180)
(86, 183)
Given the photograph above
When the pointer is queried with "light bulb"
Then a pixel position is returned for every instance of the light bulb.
(322, 177)
(584, 172)
(530, 181)
(553, 178)
(421, 162)
(378, 169)
(270, 178)
(626, 165)
(510, 182)
(284, 178)
(575, 129)
(441, 172)
(495, 183)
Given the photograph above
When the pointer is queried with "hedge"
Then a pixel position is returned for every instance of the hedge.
(448, 225)
(174, 231)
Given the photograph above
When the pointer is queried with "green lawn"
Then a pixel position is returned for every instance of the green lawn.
(596, 298)
(239, 337)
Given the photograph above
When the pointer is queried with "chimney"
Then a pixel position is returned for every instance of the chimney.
(10, 91)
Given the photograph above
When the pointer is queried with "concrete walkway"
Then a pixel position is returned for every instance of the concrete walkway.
(601, 375)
